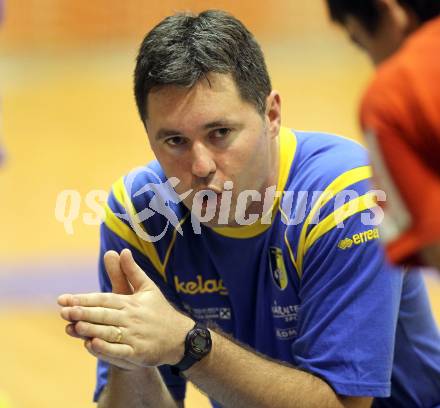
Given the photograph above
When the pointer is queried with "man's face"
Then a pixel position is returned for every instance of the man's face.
(208, 135)
(395, 24)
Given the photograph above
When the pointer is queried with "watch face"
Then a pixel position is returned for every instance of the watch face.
(200, 342)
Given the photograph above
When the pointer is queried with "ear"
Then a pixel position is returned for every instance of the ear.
(385, 5)
(273, 113)
(399, 15)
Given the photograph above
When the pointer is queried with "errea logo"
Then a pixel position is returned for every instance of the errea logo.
(345, 243)
(358, 239)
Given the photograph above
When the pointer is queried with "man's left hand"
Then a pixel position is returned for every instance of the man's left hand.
(128, 330)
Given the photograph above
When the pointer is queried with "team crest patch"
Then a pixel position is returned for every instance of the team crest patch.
(277, 267)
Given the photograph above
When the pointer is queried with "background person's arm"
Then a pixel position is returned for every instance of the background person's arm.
(405, 166)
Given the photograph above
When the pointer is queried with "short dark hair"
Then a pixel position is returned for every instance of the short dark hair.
(184, 48)
(367, 11)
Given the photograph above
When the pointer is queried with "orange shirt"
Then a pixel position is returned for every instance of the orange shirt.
(400, 115)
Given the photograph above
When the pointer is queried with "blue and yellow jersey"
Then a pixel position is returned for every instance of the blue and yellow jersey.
(310, 287)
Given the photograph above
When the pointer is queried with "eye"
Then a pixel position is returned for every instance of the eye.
(175, 141)
(221, 133)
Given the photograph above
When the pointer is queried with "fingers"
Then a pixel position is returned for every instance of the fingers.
(110, 334)
(64, 300)
(119, 281)
(135, 275)
(110, 350)
(99, 315)
(71, 331)
(107, 300)
(113, 361)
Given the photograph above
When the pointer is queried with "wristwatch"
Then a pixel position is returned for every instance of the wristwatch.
(197, 345)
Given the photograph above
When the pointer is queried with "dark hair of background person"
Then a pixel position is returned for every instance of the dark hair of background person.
(367, 11)
(184, 48)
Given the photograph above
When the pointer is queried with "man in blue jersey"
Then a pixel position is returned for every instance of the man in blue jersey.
(265, 237)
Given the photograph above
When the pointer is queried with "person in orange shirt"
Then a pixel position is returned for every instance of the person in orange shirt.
(400, 116)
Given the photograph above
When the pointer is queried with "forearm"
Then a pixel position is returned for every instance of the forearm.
(236, 377)
(136, 389)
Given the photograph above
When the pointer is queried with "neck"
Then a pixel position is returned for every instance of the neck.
(271, 182)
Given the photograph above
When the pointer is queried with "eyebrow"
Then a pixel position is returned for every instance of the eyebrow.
(162, 133)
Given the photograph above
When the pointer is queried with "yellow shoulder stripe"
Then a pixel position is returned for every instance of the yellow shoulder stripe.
(354, 206)
(118, 189)
(339, 184)
(288, 144)
(123, 231)
(129, 235)
(173, 240)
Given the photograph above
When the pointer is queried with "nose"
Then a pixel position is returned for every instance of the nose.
(203, 163)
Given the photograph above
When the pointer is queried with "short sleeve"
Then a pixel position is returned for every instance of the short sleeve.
(349, 309)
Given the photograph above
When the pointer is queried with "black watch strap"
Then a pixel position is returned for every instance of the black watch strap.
(186, 362)
(193, 354)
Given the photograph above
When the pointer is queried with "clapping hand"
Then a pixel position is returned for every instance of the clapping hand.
(133, 327)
